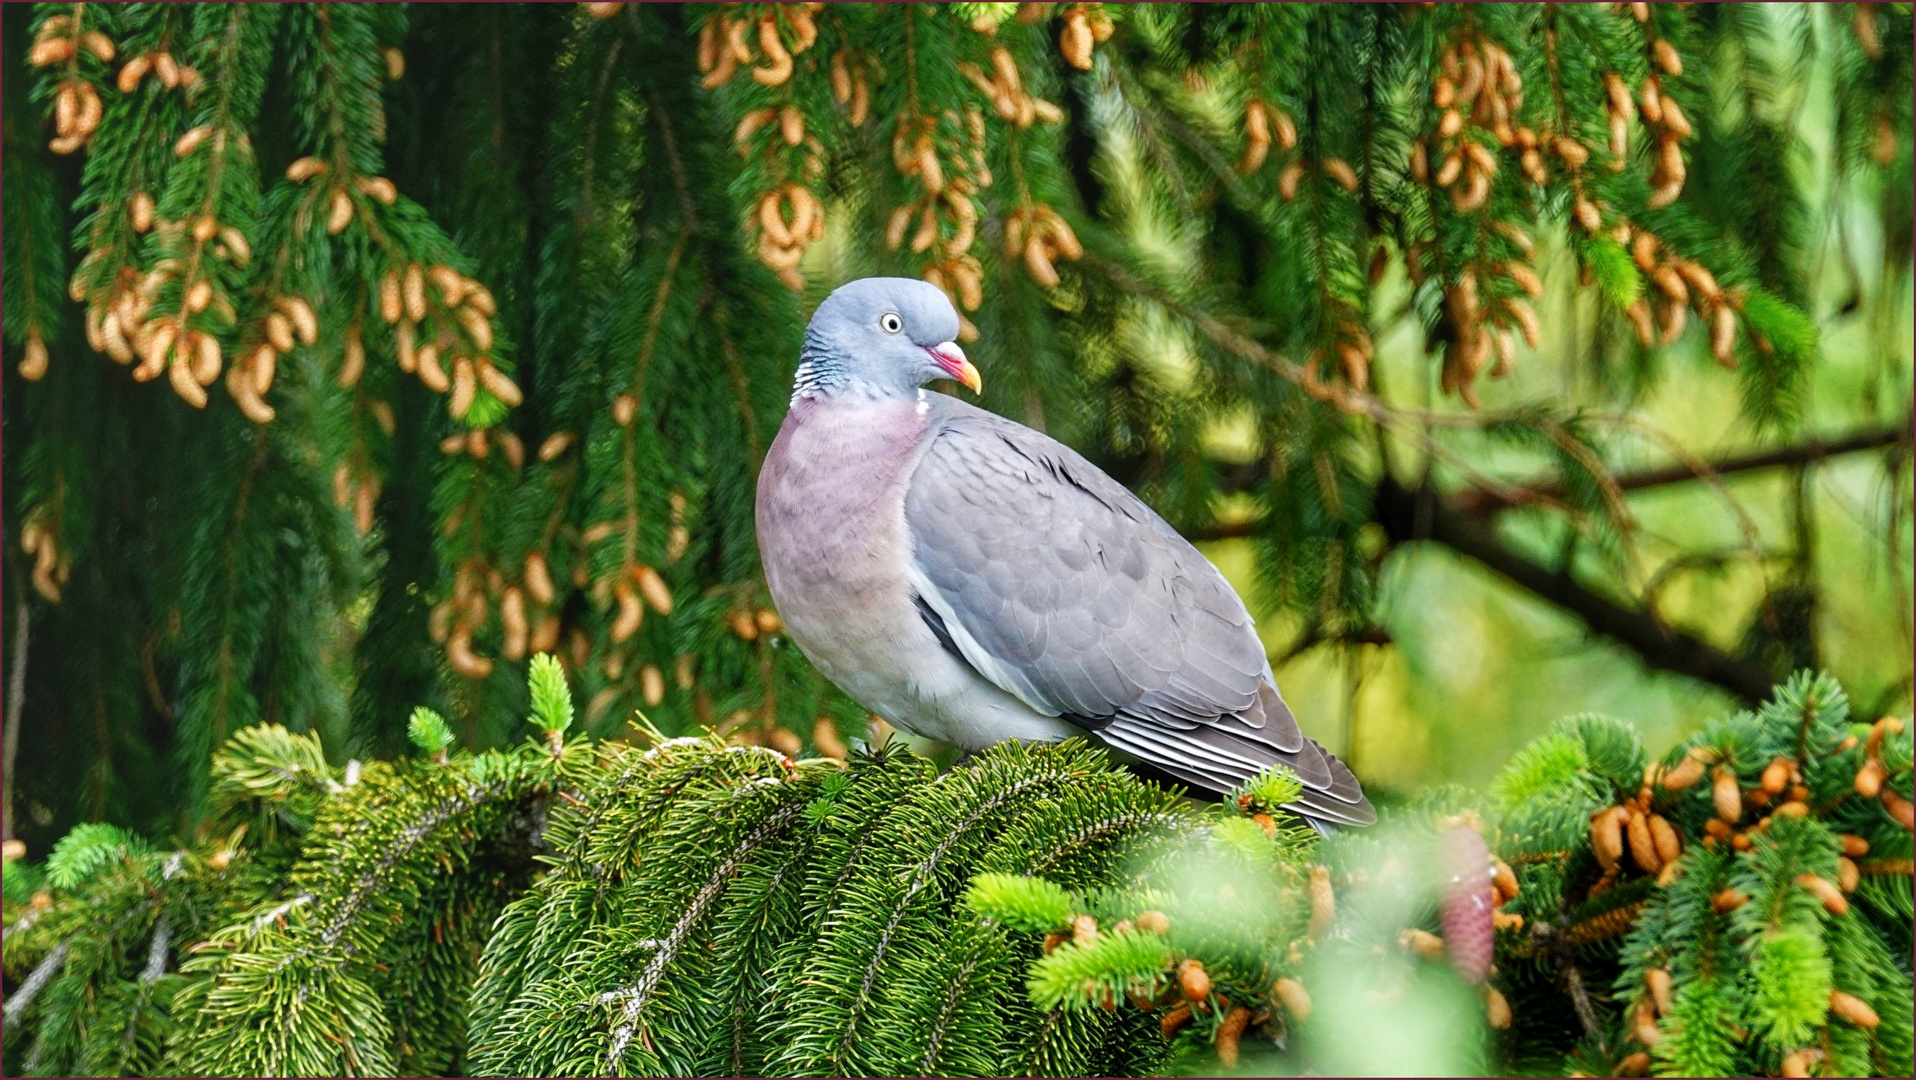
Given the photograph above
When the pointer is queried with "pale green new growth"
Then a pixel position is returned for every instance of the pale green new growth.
(87, 850)
(429, 731)
(551, 697)
(1032, 905)
(1270, 789)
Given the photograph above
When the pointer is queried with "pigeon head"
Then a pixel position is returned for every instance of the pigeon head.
(881, 337)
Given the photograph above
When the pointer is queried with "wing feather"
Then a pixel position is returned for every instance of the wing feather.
(1065, 590)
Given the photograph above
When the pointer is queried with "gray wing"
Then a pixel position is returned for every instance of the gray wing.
(1064, 589)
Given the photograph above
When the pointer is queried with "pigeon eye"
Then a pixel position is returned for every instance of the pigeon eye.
(890, 323)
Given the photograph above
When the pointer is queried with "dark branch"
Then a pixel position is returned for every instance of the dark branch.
(1407, 516)
(1480, 501)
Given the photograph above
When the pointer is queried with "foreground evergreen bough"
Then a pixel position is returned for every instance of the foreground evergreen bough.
(696, 908)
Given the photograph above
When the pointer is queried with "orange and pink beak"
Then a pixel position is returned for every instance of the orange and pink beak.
(956, 364)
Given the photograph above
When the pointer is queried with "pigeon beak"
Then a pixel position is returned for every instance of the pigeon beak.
(953, 360)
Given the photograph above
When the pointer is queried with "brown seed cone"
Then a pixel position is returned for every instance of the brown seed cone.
(1174, 1020)
(1668, 844)
(132, 73)
(1339, 170)
(241, 383)
(426, 364)
(1869, 778)
(180, 373)
(1038, 262)
(825, 737)
(465, 387)
(1496, 1008)
(538, 578)
(1232, 1029)
(1323, 903)
(1084, 929)
(1723, 336)
(1635, 1064)
(1833, 899)
(1642, 847)
(512, 616)
(1643, 1026)
(1287, 180)
(778, 66)
(1421, 942)
(498, 385)
(1153, 922)
(1193, 980)
(1573, 153)
(1606, 835)
(33, 364)
(1658, 982)
(413, 292)
(631, 612)
(339, 214)
(1853, 1009)
(1074, 41)
(1729, 900)
(654, 589)
(1899, 808)
(1667, 57)
(1725, 794)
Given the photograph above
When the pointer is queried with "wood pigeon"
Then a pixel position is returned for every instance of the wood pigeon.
(972, 580)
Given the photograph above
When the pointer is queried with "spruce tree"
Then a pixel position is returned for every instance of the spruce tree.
(359, 353)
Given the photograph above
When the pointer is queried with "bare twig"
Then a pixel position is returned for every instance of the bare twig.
(1690, 468)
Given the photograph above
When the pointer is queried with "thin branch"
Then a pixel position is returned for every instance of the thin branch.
(1504, 495)
(1487, 502)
